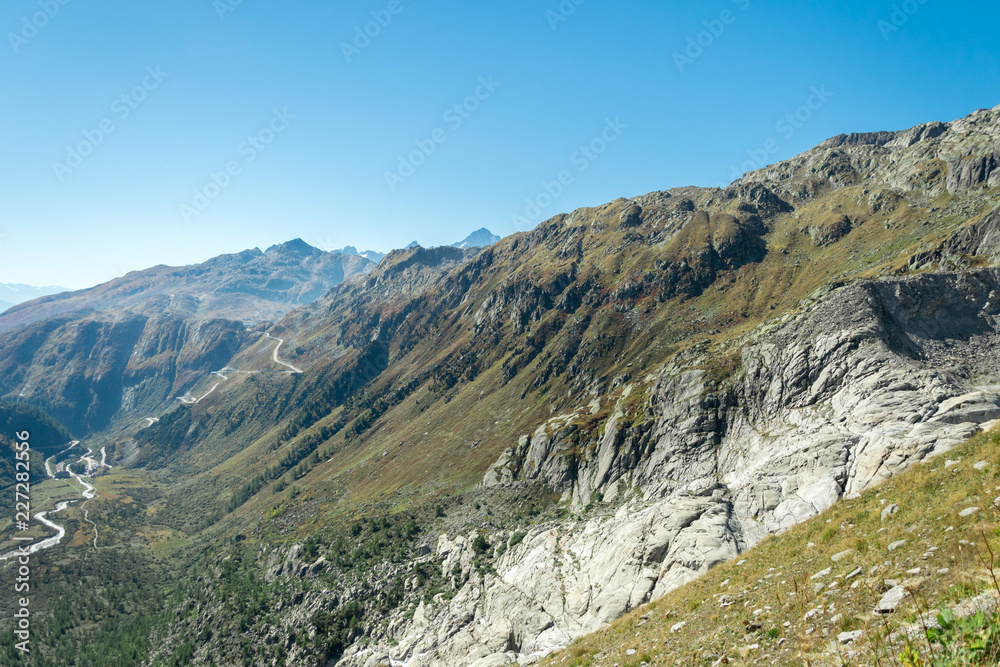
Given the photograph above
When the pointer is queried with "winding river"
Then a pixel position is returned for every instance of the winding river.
(87, 493)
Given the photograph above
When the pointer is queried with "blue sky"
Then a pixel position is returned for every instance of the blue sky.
(140, 133)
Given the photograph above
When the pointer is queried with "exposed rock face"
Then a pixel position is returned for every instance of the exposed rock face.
(980, 239)
(831, 231)
(972, 171)
(564, 582)
(964, 150)
(872, 378)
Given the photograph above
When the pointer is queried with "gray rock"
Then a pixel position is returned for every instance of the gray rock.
(969, 172)
(318, 566)
(891, 600)
(849, 637)
(889, 511)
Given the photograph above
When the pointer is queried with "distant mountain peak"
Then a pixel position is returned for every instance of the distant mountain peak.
(293, 247)
(480, 238)
(372, 255)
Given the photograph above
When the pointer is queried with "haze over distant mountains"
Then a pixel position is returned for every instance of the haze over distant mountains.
(251, 285)
(248, 286)
(373, 255)
(480, 238)
(12, 294)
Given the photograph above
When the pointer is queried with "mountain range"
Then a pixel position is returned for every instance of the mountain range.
(480, 238)
(477, 454)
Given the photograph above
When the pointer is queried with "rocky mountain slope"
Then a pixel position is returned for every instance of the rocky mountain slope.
(859, 386)
(489, 453)
(688, 372)
(863, 583)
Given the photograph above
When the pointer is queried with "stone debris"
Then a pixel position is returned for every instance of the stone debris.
(895, 545)
(889, 511)
(968, 511)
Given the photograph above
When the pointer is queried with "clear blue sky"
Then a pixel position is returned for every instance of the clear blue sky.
(322, 177)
